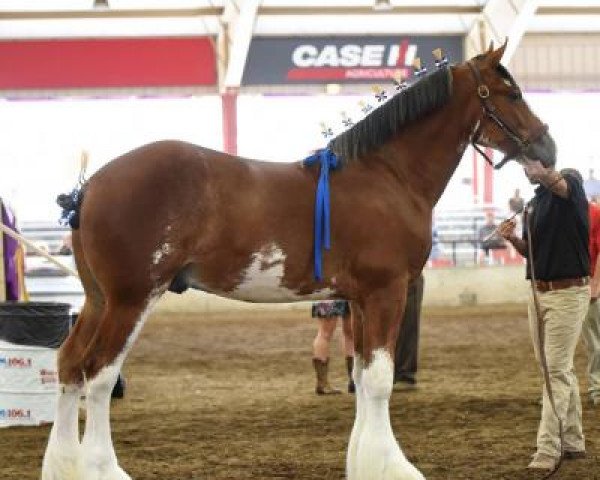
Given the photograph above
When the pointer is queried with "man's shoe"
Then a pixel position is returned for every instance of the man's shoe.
(542, 461)
(574, 454)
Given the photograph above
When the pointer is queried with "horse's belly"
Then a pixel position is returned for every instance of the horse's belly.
(262, 281)
(261, 290)
(265, 285)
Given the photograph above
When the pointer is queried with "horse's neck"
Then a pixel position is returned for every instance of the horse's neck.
(427, 153)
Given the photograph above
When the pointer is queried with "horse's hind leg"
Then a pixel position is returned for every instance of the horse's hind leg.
(118, 329)
(62, 457)
(61, 460)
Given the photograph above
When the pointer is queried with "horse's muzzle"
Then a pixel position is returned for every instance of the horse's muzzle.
(542, 149)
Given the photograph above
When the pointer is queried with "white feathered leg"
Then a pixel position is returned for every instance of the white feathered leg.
(63, 452)
(378, 455)
(99, 460)
(359, 419)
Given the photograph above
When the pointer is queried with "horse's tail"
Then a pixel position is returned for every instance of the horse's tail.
(71, 205)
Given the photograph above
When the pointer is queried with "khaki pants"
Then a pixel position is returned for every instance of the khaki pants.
(591, 337)
(563, 312)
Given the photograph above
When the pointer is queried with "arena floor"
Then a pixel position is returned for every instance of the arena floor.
(231, 397)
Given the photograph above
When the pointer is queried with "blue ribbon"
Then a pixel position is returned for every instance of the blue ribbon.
(322, 232)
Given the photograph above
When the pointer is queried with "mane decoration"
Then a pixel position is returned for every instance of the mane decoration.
(409, 104)
(412, 102)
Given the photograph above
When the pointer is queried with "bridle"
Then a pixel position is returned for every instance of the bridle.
(522, 143)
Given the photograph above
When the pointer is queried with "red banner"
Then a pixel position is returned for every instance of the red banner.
(106, 63)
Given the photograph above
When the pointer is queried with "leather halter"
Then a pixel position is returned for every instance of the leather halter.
(522, 143)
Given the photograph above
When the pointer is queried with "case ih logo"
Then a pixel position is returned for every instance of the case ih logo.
(351, 61)
(15, 362)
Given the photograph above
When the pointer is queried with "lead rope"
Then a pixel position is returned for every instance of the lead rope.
(541, 342)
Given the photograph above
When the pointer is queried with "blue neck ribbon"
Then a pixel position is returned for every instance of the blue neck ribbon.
(322, 234)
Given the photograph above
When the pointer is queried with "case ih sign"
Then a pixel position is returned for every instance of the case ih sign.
(341, 60)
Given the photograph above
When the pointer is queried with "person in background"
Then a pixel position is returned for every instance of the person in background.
(327, 314)
(516, 202)
(592, 185)
(489, 238)
(557, 220)
(591, 325)
(407, 346)
(66, 248)
(436, 248)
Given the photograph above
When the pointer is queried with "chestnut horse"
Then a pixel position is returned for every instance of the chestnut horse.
(171, 215)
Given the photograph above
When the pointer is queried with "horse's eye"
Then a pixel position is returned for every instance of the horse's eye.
(515, 95)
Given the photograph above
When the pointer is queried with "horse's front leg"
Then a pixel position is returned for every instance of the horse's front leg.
(359, 418)
(375, 451)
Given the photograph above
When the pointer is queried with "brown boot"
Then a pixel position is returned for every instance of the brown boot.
(323, 387)
(349, 367)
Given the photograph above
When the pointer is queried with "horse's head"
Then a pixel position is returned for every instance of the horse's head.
(507, 123)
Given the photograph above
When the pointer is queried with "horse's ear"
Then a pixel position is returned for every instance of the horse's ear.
(495, 56)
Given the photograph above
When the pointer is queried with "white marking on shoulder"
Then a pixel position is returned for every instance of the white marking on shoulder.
(262, 280)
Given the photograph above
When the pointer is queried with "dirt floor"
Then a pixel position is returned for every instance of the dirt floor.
(231, 397)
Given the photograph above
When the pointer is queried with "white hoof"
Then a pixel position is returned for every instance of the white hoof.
(403, 470)
(60, 466)
(385, 465)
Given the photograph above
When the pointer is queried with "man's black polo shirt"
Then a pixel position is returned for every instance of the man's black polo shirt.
(560, 233)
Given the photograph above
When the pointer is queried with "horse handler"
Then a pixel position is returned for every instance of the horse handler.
(558, 223)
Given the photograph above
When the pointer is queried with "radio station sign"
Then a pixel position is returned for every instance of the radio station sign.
(307, 60)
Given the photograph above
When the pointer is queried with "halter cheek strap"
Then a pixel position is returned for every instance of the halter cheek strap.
(522, 144)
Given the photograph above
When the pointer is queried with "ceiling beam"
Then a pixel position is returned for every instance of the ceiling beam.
(396, 10)
(240, 30)
(499, 20)
(280, 11)
(110, 13)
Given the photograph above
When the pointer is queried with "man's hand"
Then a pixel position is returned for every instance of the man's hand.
(507, 229)
(550, 178)
(535, 170)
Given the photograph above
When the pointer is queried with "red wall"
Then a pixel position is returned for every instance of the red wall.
(114, 62)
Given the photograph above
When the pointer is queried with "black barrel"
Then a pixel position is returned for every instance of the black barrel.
(42, 324)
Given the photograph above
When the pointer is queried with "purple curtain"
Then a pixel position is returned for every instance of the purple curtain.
(10, 266)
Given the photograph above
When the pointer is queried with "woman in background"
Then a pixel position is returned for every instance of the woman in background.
(327, 313)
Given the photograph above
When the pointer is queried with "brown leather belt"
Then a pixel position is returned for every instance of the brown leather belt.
(543, 286)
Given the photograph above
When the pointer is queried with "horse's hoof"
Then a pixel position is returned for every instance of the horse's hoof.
(402, 470)
(112, 472)
(118, 474)
(56, 467)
